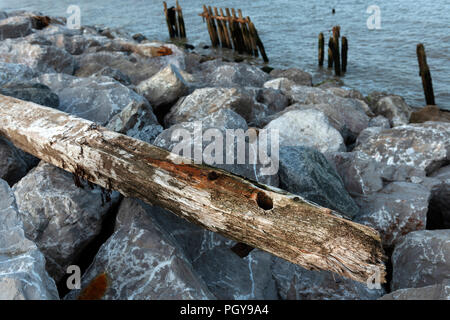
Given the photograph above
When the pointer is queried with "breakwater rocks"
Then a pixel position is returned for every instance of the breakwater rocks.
(374, 159)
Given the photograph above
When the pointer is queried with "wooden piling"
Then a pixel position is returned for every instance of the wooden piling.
(226, 31)
(181, 26)
(169, 24)
(252, 39)
(237, 29)
(258, 41)
(220, 29)
(245, 33)
(208, 24)
(214, 28)
(424, 72)
(335, 51)
(344, 52)
(330, 53)
(321, 48)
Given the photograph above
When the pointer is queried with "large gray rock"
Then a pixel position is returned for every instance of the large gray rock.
(40, 57)
(227, 275)
(308, 127)
(29, 91)
(12, 165)
(296, 283)
(394, 108)
(297, 76)
(439, 209)
(230, 74)
(142, 261)
(15, 27)
(58, 216)
(379, 121)
(396, 210)
(252, 168)
(420, 259)
(22, 265)
(137, 121)
(435, 292)
(348, 121)
(164, 88)
(202, 102)
(425, 146)
(12, 72)
(95, 99)
(130, 59)
(363, 175)
(306, 172)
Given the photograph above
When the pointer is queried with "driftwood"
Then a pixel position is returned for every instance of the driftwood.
(260, 216)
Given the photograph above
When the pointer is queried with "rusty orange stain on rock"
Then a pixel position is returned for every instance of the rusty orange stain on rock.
(96, 289)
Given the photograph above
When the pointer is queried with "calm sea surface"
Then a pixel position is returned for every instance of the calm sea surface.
(383, 59)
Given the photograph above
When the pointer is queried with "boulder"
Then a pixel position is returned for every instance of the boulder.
(229, 74)
(282, 84)
(22, 265)
(138, 61)
(429, 113)
(61, 218)
(96, 99)
(438, 209)
(348, 121)
(141, 261)
(12, 72)
(420, 259)
(435, 292)
(15, 27)
(227, 275)
(298, 76)
(137, 121)
(308, 127)
(29, 91)
(424, 146)
(380, 121)
(296, 283)
(39, 57)
(363, 175)
(306, 172)
(202, 102)
(396, 210)
(164, 88)
(394, 108)
(12, 164)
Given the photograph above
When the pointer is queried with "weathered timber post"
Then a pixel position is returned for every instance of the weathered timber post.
(321, 48)
(181, 26)
(232, 29)
(330, 53)
(245, 33)
(168, 21)
(225, 30)
(213, 28)
(260, 216)
(252, 39)
(238, 30)
(335, 50)
(344, 54)
(424, 72)
(258, 41)
(220, 28)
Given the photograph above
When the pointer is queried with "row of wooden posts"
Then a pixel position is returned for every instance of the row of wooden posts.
(226, 30)
(233, 31)
(334, 55)
(175, 21)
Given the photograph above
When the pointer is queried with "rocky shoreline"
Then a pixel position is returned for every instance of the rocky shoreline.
(374, 159)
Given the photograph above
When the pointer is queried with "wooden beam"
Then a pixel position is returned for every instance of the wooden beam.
(268, 218)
